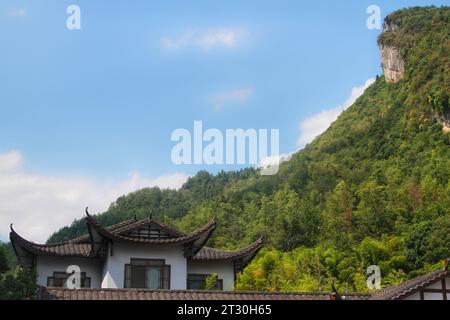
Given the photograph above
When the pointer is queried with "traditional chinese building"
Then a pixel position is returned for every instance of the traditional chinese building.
(140, 254)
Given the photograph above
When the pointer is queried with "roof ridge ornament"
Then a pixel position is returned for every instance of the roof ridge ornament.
(446, 264)
(335, 294)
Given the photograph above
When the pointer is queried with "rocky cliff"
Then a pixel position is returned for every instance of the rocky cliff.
(444, 119)
(393, 63)
(391, 59)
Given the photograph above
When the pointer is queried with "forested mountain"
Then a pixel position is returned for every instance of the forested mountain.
(373, 189)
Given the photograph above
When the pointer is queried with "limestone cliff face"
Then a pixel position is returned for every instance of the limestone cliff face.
(391, 59)
(393, 63)
(444, 119)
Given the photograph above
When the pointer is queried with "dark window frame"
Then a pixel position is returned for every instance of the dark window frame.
(64, 276)
(149, 232)
(219, 283)
(165, 272)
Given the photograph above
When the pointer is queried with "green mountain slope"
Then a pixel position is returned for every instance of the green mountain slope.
(373, 189)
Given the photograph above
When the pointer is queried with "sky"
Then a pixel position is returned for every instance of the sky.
(86, 115)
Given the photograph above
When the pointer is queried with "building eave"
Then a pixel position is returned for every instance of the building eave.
(241, 257)
(86, 238)
(190, 238)
(410, 287)
(26, 251)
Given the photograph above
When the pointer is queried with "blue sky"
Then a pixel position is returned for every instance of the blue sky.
(91, 106)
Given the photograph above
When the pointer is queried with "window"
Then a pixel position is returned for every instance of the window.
(59, 280)
(147, 274)
(198, 282)
(149, 233)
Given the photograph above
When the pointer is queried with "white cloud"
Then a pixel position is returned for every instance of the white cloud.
(313, 126)
(176, 43)
(221, 37)
(236, 96)
(11, 161)
(206, 39)
(18, 13)
(275, 160)
(39, 205)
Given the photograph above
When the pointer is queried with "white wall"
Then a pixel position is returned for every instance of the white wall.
(47, 265)
(432, 296)
(414, 296)
(436, 285)
(224, 271)
(114, 268)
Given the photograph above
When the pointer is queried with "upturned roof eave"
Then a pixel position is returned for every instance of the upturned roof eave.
(112, 236)
(231, 255)
(27, 247)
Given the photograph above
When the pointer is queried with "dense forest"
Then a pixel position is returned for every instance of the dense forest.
(373, 189)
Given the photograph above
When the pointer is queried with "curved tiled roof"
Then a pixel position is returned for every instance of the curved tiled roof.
(411, 286)
(212, 254)
(60, 249)
(142, 294)
(79, 247)
(86, 238)
(146, 222)
(183, 238)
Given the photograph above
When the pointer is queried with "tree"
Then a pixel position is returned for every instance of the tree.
(439, 99)
(3, 260)
(428, 242)
(18, 284)
(339, 215)
(211, 282)
(372, 218)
